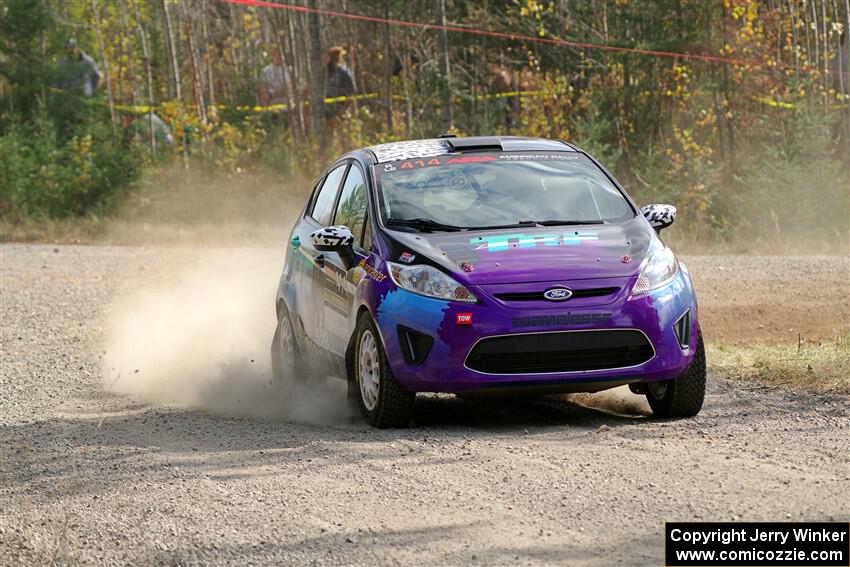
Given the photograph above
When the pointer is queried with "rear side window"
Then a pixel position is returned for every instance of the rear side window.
(323, 208)
(351, 209)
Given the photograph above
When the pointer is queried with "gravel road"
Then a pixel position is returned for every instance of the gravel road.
(196, 459)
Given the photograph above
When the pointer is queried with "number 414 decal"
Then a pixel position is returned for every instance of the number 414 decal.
(419, 163)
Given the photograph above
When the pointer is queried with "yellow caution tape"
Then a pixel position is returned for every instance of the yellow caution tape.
(144, 109)
(790, 105)
(775, 103)
(508, 94)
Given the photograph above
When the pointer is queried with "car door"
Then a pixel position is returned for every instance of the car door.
(339, 283)
(307, 269)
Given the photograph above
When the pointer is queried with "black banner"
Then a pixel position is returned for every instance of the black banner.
(757, 544)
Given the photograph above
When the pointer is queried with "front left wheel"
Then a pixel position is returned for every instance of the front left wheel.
(382, 400)
(682, 397)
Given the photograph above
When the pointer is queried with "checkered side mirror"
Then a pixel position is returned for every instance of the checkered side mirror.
(659, 216)
(332, 238)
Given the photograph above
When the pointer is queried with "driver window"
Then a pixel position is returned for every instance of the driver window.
(324, 205)
(351, 208)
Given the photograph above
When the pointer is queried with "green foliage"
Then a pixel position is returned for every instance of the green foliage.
(747, 152)
(793, 184)
(45, 171)
(593, 134)
(22, 23)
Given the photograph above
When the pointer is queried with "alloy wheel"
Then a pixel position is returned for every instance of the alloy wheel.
(369, 370)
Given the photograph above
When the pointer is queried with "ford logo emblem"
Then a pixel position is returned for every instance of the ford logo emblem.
(558, 294)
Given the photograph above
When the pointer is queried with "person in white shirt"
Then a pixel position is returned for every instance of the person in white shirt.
(274, 79)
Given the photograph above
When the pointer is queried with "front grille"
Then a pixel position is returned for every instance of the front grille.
(571, 351)
(538, 295)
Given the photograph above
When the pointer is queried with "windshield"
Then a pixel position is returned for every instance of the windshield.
(491, 190)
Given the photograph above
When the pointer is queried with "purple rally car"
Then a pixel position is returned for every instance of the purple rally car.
(485, 264)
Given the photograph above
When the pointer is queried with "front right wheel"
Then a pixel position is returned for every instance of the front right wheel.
(682, 397)
(382, 400)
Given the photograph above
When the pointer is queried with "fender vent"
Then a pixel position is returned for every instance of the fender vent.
(682, 326)
(415, 346)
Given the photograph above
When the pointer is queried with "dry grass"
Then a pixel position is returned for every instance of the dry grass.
(821, 366)
(172, 205)
(70, 231)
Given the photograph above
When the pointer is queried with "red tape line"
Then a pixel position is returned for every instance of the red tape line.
(513, 36)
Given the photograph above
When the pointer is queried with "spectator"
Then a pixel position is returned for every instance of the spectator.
(77, 72)
(274, 81)
(340, 82)
(500, 81)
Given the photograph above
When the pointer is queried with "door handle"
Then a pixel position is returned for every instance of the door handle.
(295, 242)
(320, 261)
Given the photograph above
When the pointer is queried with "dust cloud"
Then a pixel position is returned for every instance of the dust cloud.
(193, 322)
(198, 334)
(618, 401)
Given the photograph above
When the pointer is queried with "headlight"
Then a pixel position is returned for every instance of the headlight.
(429, 281)
(658, 271)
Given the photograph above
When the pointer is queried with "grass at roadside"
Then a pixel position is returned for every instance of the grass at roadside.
(73, 230)
(170, 205)
(822, 366)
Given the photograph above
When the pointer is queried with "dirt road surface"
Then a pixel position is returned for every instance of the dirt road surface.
(100, 464)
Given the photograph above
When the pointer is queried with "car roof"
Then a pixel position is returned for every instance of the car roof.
(411, 149)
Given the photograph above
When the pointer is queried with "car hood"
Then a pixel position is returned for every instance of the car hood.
(524, 255)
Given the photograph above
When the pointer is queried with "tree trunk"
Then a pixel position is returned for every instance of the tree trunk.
(388, 70)
(825, 57)
(795, 42)
(408, 101)
(287, 61)
(108, 75)
(297, 75)
(845, 110)
(317, 83)
(172, 50)
(727, 106)
(208, 53)
(353, 58)
(196, 71)
(443, 47)
(715, 99)
(147, 55)
(131, 68)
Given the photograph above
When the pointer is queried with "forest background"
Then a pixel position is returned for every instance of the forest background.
(736, 111)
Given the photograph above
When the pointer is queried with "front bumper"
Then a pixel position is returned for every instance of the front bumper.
(445, 368)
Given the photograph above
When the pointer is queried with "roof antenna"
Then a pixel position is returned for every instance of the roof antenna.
(447, 135)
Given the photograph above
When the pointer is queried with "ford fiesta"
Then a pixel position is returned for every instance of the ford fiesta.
(485, 264)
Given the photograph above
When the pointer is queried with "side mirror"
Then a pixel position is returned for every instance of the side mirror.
(337, 239)
(659, 216)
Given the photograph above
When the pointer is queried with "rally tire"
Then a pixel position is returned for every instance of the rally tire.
(287, 360)
(684, 396)
(389, 404)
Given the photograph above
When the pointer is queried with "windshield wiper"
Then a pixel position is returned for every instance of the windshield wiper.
(423, 224)
(556, 222)
(519, 224)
